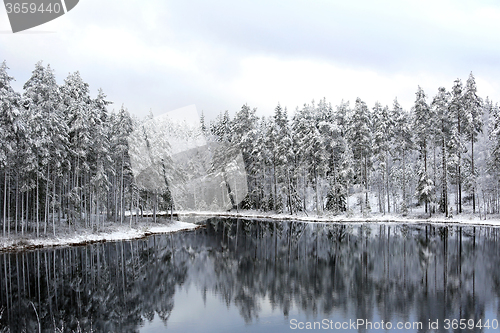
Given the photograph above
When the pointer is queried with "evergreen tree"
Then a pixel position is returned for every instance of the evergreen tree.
(10, 128)
(382, 132)
(422, 124)
(473, 126)
(458, 115)
(48, 136)
(360, 136)
(442, 130)
(402, 144)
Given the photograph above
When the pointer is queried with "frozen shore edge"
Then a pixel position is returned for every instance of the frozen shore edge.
(124, 232)
(465, 219)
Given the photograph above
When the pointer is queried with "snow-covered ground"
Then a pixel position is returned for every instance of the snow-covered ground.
(114, 232)
(465, 218)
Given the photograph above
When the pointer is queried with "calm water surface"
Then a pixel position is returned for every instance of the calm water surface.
(240, 275)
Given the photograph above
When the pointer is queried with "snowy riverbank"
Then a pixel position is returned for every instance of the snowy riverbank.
(114, 232)
(468, 219)
(117, 232)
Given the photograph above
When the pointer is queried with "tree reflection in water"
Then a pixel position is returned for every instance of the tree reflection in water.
(372, 271)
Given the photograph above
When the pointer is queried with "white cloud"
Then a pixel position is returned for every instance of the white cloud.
(220, 55)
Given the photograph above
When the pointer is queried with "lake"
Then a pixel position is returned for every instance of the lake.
(241, 275)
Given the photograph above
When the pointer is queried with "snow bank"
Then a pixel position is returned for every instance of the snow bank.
(81, 237)
(467, 219)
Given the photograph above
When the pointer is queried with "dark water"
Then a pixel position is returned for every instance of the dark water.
(258, 276)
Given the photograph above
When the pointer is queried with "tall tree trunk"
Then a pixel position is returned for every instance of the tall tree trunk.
(289, 190)
(46, 213)
(17, 199)
(444, 180)
(387, 181)
(97, 211)
(459, 180)
(122, 190)
(425, 171)
(154, 206)
(304, 189)
(54, 205)
(316, 189)
(8, 209)
(404, 181)
(275, 185)
(37, 208)
(473, 178)
(22, 214)
(5, 202)
(366, 181)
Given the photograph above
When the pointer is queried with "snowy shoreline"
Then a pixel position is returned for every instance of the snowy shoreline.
(79, 237)
(466, 219)
(125, 232)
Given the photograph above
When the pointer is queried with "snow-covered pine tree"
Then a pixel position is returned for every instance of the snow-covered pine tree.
(360, 137)
(100, 152)
(402, 143)
(456, 107)
(473, 126)
(244, 137)
(10, 126)
(280, 145)
(442, 127)
(382, 131)
(48, 136)
(422, 128)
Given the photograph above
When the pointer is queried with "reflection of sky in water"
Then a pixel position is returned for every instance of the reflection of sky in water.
(256, 276)
(192, 314)
(417, 294)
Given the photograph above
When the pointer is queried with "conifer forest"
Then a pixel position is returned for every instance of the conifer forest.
(64, 156)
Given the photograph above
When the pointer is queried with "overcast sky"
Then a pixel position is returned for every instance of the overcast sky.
(162, 55)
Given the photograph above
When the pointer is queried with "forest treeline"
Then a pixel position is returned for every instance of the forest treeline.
(64, 157)
(443, 153)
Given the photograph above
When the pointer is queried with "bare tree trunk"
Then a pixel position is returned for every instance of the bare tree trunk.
(5, 202)
(8, 209)
(17, 199)
(154, 206)
(366, 181)
(425, 170)
(54, 205)
(404, 181)
(289, 191)
(37, 209)
(27, 209)
(97, 212)
(275, 186)
(22, 214)
(444, 181)
(316, 190)
(122, 190)
(131, 202)
(387, 181)
(46, 213)
(459, 167)
(473, 178)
